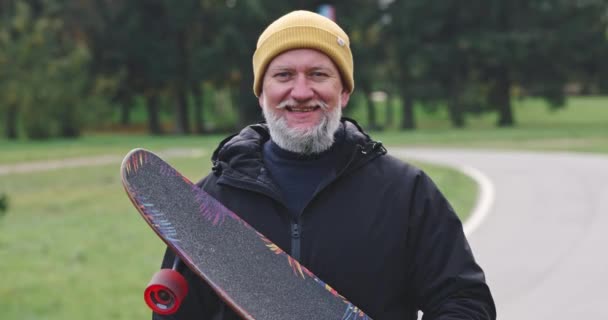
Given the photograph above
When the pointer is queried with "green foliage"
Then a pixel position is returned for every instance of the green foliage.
(495, 46)
(465, 57)
(45, 79)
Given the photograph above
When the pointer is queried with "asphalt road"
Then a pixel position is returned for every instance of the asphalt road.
(544, 241)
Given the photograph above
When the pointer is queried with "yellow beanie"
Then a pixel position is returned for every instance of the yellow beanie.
(299, 30)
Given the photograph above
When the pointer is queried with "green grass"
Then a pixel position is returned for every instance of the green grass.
(460, 190)
(73, 247)
(582, 126)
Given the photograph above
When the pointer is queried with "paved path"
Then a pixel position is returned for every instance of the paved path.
(88, 161)
(544, 244)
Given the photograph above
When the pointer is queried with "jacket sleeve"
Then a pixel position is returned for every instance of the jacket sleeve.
(201, 302)
(448, 283)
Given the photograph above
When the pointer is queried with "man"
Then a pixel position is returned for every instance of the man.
(374, 228)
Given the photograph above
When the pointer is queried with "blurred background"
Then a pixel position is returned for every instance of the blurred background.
(161, 67)
(84, 81)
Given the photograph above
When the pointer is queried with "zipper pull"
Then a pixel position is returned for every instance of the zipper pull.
(295, 230)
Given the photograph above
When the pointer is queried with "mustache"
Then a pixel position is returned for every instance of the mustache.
(311, 103)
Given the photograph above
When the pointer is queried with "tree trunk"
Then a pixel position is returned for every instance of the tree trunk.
(181, 110)
(390, 112)
(247, 104)
(125, 113)
(152, 107)
(199, 121)
(69, 131)
(371, 109)
(69, 127)
(408, 121)
(455, 105)
(502, 87)
(502, 97)
(182, 125)
(11, 122)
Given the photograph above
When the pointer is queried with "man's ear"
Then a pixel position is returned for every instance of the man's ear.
(345, 95)
(261, 100)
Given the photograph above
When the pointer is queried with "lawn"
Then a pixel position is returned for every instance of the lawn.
(582, 126)
(72, 246)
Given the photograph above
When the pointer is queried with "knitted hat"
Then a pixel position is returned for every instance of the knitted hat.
(299, 30)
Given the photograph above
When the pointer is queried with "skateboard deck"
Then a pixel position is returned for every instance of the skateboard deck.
(250, 273)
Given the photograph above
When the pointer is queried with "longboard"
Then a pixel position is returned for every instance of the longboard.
(255, 277)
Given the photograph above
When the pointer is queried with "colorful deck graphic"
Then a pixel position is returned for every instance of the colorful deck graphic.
(252, 274)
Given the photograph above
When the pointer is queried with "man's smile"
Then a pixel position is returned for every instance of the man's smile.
(302, 109)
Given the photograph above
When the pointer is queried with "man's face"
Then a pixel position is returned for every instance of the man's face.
(302, 97)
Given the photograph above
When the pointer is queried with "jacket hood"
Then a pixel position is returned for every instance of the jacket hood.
(241, 153)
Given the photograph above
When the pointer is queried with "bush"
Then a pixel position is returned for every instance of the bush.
(3, 204)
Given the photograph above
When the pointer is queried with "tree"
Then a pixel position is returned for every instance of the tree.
(534, 45)
(488, 47)
(362, 20)
(411, 26)
(45, 87)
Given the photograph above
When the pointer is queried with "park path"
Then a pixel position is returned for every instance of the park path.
(88, 161)
(543, 243)
(542, 236)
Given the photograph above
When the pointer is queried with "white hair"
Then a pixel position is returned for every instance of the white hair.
(303, 140)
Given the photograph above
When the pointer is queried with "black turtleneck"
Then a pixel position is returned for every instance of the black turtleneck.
(299, 176)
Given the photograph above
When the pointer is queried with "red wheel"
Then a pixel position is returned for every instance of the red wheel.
(166, 291)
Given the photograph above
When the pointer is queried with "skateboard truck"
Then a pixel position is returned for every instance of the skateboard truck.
(166, 290)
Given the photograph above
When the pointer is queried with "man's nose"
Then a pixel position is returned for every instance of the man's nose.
(301, 90)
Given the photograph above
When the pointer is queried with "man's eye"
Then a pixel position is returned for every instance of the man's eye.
(282, 75)
(319, 74)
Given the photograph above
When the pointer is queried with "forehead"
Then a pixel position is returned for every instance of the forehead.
(302, 58)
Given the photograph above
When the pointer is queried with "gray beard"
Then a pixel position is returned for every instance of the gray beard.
(304, 141)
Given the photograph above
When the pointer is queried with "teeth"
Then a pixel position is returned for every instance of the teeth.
(302, 109)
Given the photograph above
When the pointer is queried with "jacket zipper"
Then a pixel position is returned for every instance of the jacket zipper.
(296, 224)
(296, 234)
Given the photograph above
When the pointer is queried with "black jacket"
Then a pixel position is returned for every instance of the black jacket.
(378, 231)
